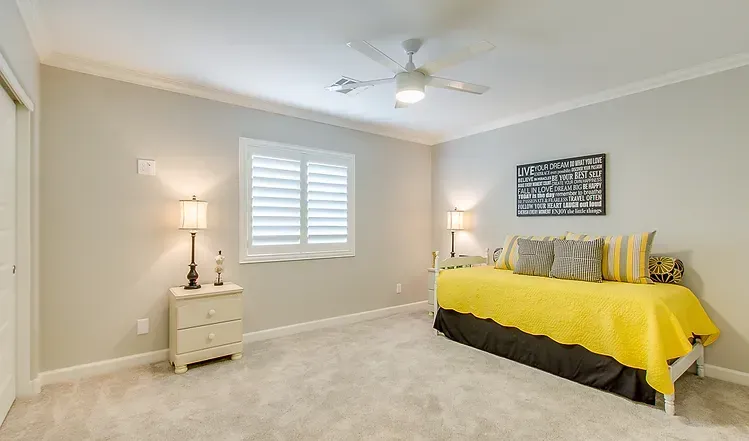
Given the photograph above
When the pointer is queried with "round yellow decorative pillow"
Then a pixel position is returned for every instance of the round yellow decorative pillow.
(664, 269)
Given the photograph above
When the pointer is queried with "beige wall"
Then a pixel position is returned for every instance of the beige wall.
(110, 244)
(16, 47)
(677, 163)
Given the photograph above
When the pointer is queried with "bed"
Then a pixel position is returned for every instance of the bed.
(630, 339)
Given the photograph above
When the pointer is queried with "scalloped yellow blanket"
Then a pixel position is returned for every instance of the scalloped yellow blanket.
(641, 326)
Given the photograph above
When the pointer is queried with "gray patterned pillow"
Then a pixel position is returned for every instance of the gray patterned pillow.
(535, 257)
(578, 260)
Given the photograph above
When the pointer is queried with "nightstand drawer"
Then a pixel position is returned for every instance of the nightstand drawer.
(209, 310)
(203, 337)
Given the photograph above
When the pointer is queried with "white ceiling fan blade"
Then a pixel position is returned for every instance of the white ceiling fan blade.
(460, 86)
(360, 84)
(400, 105)
(434, 66)
(376, 55)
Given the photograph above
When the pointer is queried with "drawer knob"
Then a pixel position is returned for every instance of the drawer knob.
(211, 336)
(211, 313)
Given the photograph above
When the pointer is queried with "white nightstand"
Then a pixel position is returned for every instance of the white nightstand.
(204, 323)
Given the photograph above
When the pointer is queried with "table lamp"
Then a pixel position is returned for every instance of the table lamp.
(454, 223)
(194, 217)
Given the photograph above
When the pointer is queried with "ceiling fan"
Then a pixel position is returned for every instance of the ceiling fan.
(411, 81)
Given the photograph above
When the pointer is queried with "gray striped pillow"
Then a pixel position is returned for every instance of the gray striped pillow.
(578, 260)
(535, 257)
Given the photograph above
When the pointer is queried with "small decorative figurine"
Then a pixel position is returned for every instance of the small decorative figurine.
(219, 269)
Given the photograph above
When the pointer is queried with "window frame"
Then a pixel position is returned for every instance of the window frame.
(303, 251)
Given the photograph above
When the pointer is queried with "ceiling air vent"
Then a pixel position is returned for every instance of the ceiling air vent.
(345, 81)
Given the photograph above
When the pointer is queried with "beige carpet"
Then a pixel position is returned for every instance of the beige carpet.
(384, 379)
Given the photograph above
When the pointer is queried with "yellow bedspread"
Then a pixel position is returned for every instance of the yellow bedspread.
(641, 326)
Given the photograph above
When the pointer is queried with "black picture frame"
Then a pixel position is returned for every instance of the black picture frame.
(580, 200)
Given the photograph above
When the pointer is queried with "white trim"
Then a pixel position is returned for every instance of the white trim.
(34, 26)
(702, 70)
(293, 257)
(30, 389)
(284, 331)
(183, 87)
(725, 374)
(78, 372)
(105, 70)
(26, 232)
(16, 90)
(25, 255)
(101, 367)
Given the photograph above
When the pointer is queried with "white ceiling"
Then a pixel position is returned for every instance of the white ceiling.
(287, 51)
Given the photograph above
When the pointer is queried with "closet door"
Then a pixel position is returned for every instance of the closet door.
(7, 253)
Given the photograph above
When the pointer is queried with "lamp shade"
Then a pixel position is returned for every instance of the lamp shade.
(455, 220)
(194, 214)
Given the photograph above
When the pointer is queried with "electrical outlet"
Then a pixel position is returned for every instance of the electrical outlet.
(147, 167)
(398, 288)
(142, 327)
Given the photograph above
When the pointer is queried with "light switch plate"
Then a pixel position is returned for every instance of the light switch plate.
(143, 326)
(147, 167)
(398, 288)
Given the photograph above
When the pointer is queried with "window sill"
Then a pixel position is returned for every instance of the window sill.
(295, 256)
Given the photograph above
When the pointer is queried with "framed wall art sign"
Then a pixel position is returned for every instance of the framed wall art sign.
(563, 187)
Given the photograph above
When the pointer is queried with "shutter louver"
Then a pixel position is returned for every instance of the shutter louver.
(327, 203)
(276, 201)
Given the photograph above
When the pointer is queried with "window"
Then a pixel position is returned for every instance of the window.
(295, 202)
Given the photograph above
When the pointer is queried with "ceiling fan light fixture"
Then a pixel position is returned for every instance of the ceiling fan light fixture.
(410, 96)
(410, 87)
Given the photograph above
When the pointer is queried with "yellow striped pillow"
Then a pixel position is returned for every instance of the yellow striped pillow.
(509, 256)
(625, 258)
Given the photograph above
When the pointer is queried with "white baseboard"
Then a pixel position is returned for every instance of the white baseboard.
(78, 372)
(283, 331)
(73, 373)
(32, 388)
(725, 374)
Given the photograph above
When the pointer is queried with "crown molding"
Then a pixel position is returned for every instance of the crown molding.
(702, 70)
(90, 67)
(35, 27)
(118, 73)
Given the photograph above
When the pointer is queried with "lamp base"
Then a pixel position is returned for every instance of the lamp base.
(192, 276)
(452, 250)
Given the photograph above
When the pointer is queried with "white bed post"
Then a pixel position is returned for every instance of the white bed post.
(695, 356)
(670, 407)
(700, 360)
(434, 287)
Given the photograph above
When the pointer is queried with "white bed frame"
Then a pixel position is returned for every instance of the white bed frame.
(677, 368)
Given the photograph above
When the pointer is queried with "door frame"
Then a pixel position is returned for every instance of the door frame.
(27, 233)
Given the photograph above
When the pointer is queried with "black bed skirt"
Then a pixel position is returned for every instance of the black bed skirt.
(572, 362)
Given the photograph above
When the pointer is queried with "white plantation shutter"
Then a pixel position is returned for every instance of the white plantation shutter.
(327, 203)
(276, 201)
(296, 203)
